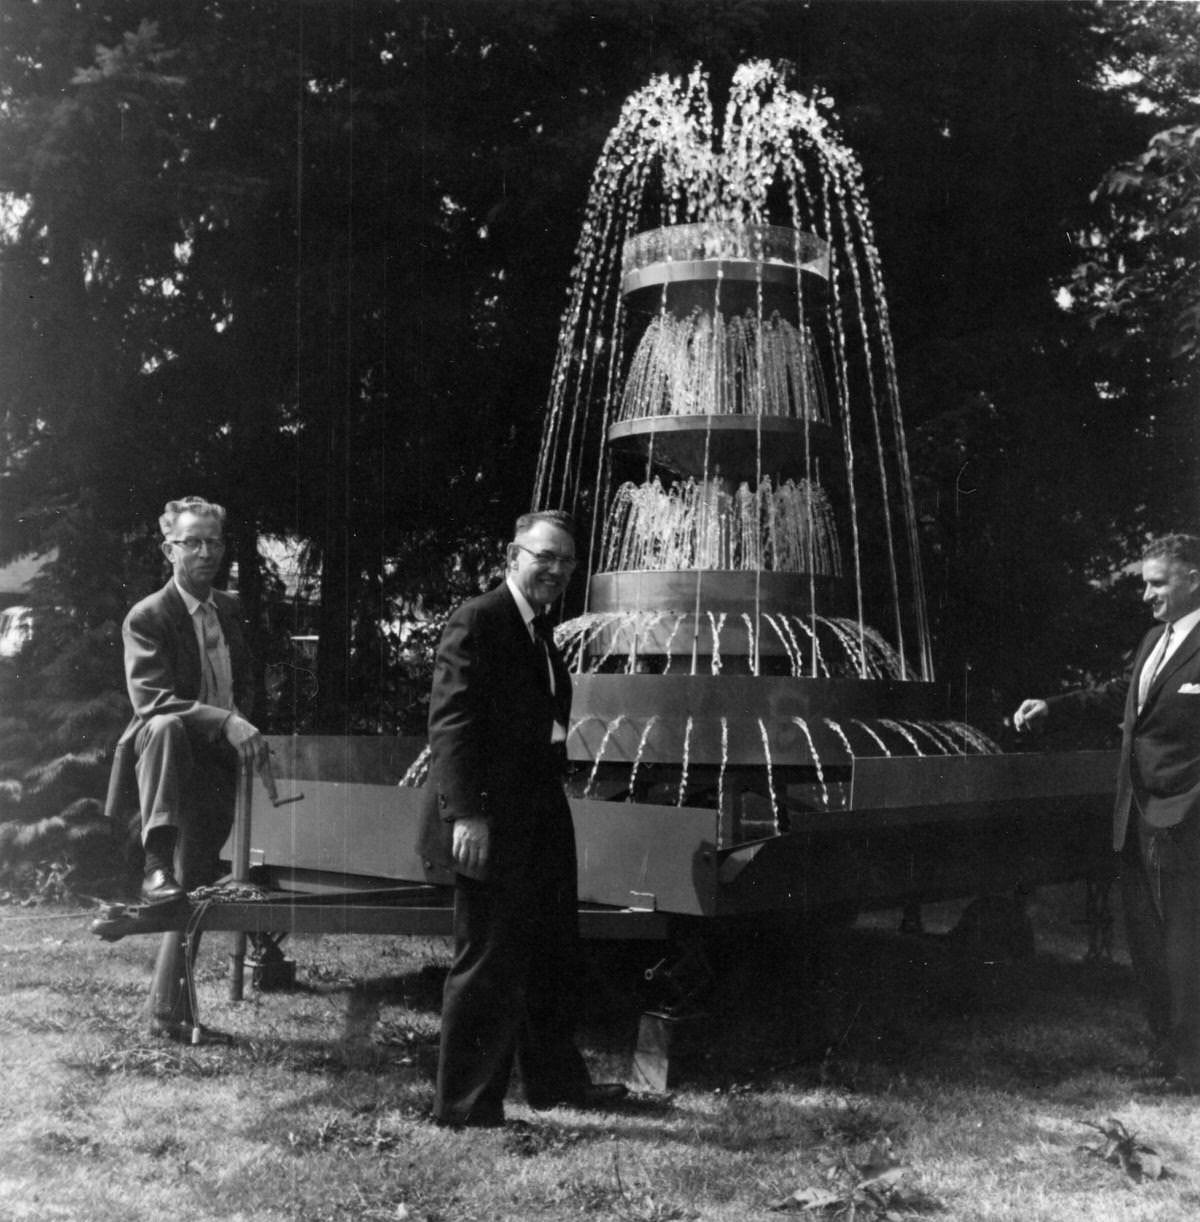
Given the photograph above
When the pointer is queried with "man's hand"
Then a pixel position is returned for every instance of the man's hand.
(1029, 714)
(472, 839)
(252, 750)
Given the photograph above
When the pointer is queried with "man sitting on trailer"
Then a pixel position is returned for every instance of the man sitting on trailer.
(496, 814)
(1156, 819)
(187, 671)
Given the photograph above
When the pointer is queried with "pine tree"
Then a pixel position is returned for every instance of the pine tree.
(63, 706)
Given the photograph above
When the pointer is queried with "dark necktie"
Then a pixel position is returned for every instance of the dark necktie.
(544, 635)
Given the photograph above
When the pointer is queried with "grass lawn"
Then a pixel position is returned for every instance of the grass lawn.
(886, 1072)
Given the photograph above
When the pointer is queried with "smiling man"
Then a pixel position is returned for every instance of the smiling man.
(187, 671)
(1156, 818)
(497, 815)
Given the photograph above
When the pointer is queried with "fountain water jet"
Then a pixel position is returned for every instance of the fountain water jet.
(725, 409)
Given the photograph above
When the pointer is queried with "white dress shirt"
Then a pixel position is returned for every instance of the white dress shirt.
(216, 682)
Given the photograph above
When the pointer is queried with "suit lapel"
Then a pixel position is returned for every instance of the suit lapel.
(189, 651)
(519, 629)
(1186, 649)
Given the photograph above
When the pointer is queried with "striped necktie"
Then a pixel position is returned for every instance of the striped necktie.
(217, 679)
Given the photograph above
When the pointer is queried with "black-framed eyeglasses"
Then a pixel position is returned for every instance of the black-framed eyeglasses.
(547, 560)
(193, 545)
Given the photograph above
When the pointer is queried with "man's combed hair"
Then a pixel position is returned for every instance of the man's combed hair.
(188, 504)
(556, 517)
(1182, 549)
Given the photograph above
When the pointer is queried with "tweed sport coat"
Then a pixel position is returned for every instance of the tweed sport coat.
(163, 673)
(491, 713)
(1160, 744)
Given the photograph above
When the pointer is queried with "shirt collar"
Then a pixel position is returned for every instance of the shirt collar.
(190, 601)
(1184, 624)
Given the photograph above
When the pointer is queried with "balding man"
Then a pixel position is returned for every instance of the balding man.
(498, 816)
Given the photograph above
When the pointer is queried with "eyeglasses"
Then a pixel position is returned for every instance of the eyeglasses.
(193, 545)
(547, 560)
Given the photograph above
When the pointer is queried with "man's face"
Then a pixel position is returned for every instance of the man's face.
(195, 550)
(541, 561)
(1171, 588)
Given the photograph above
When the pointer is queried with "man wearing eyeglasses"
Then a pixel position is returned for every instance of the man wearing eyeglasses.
(496, 814)
(188, 672)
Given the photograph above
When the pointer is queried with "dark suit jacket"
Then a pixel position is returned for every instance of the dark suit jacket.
(162, 675)
(1160, 746)
(490, 718)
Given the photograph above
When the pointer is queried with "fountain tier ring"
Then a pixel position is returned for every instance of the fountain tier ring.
(723, 266)
(770, 247)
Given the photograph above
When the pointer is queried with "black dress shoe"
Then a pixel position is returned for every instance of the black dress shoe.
(159, 887)
(601, 1094)
(473, 1120)
(593, 1095)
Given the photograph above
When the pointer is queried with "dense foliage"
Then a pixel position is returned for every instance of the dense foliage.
(308, 259)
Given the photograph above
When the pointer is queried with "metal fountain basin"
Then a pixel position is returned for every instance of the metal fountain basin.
(916, 828)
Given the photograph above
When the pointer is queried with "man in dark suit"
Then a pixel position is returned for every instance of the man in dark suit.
(496, 813)
(187, 671)
(1156, 819)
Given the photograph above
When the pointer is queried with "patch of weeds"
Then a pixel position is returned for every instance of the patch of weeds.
(636, 1202)
(161, 1147)
(379, 1134)
(298, 1058)
(333, 974)
(402, 1036)
(76, 987)
(1123, 1149)
(585, 1195)
(871, 1190)
(851, 1123)
(58, 1143)
(362, 1207)
(51, 1024)
(147, 1061)
(528, 1140)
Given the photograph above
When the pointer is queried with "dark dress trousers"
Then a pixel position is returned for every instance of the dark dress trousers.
(512, 988)
(1156, 829)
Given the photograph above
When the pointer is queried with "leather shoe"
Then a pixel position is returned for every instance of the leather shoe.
(473, 1120)
(593, 1095)
(159, 887)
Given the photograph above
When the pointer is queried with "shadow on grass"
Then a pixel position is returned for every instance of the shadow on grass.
(853, 1009)
(858, 1008)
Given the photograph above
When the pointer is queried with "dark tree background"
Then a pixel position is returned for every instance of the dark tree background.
(308, 259)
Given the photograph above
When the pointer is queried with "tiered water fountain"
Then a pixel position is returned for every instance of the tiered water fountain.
(729, 383)
(755, 726)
